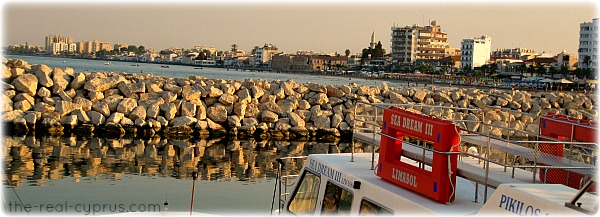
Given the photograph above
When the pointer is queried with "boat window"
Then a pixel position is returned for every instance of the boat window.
(369, 208)
(304, 199)
(336, 200)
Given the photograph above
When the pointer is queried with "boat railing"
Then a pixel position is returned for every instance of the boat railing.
(287, 174)
(497, 139)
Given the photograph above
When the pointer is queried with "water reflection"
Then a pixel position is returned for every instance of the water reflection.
(34, 160)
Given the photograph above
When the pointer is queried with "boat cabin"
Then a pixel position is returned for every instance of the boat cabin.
(428, 166)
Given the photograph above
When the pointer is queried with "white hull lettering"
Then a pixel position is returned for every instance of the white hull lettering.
(518, 207)
(404, 177)
(332, 174)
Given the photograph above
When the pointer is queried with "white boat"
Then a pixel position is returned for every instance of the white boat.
(431, 166)
(107, 63)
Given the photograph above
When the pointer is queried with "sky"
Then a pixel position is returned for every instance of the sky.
(330, 26)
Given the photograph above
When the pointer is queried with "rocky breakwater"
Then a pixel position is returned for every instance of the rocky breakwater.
(57, 101)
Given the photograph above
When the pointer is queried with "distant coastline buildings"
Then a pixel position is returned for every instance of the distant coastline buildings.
(414, 49)
(588, 44)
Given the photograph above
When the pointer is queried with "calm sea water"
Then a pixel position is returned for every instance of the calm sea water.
(100, 176)
(85, 176)
(186, 71)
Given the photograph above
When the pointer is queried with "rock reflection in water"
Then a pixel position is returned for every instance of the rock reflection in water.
(38, 159)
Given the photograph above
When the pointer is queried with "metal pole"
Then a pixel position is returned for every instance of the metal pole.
(194, 176)
(353, 132)
(487, 170)
(373, 146)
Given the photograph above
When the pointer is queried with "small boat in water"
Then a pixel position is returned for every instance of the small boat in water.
(135, 64)
(64, 61)
(197, 67)
(163, 66)
(107, 63)
(432, 166)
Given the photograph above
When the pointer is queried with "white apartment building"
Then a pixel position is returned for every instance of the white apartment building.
(264, 54)
(411, 43)
(51, 39)
(588, 43)
(57, 48)
(475, 52)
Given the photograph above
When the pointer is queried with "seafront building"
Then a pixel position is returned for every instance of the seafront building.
(588, 44)
(412, 43)
(518, 53)
(264, 54)
(475, 51)
(285, 62)
(56, 44)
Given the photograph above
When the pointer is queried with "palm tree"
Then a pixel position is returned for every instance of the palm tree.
(564, 70)
(540, 69)
(493, 68)
(484, 69)
(587, 60)
(522, 68)
(552, 71)
(347, 52)
(531, 69)
(234, 48)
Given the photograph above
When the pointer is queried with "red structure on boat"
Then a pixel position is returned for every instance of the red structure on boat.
(438, 182)
(568, 129)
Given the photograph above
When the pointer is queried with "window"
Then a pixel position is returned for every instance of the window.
(371, 209)
(304, 199)
(336, 200)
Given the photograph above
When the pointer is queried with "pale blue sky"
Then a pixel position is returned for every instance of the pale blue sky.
(328, 27)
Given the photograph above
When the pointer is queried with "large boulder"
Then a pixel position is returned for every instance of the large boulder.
(217, 113)
(61, 80)
(102, 84)
(127, 105)
(269, 117)
(43, 72)
(26, 83)
(183, 121)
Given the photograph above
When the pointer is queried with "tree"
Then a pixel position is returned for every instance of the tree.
(493, 68)
(522, 68)
(484, 69)
(426, 68)
(552, 71)
(234, 48)
(531, 69)
(133, 48)
(541, 70)
(564, 70)
(141, 49)
(587, 60)
(347, 52)
(254, 50)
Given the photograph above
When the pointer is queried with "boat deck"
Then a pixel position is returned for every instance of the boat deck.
(474, 169)
(386, 191)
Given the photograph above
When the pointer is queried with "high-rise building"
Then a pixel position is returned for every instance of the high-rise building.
(475, 52)
(412, 43)
(51, 39)
(588, 44)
